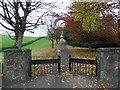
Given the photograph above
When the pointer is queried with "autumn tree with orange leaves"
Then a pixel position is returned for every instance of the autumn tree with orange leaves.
(94, 20)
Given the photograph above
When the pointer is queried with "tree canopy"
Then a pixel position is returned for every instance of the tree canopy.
(20, 16)
(92, 20)
(91, 12)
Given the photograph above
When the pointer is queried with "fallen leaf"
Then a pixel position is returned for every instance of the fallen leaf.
(95, 85)
(49, 84)
(108, 84)
(62, 81)
(33, 85)
(23, 84)
(48, 78)
(67, 81)
(36, 77)
(74, 86)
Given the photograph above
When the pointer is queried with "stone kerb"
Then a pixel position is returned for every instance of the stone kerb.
(17, 64)
(108, 59)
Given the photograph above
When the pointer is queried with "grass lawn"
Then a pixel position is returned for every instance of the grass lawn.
(84, 53)
(44, 42)
(7, 42)
(41, 48)
(1, 54)
(44, 53)
(38, 44)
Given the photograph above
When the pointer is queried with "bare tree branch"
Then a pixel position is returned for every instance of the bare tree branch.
(6, 27)
(13, 38)
(17, 15)
(22, 6)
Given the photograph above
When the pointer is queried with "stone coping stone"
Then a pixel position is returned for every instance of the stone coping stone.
(16, 50)
(117, 50)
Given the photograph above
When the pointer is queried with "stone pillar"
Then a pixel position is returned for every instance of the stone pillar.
(17, 64)
(108, 59)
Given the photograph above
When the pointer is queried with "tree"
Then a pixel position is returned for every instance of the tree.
(91, 13)
(23, 16)
(111, 30)
(72, 29)
(58, 31)
(50, 29)
(50, 26)
(59, 28)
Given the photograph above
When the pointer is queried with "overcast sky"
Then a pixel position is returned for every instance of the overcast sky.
(41, 30)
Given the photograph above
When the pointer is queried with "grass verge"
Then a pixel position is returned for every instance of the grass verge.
(84, 53)
(44, 53)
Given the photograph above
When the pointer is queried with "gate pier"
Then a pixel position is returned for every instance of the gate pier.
(108, 59)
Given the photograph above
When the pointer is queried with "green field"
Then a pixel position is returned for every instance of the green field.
(43, 42)
(38, 44)
(7, 42)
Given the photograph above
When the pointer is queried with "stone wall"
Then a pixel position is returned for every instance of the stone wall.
(108, 59)
(17, 64)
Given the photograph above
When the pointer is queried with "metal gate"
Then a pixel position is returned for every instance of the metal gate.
(46, 66)
(53, 66)
(82, 66)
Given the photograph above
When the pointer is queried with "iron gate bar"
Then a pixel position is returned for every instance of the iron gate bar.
(46, 61)
(47, 64)
(84, 61)
(85, 65)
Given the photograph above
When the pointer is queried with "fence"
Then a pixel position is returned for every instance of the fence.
(46, 66)
(82, 66)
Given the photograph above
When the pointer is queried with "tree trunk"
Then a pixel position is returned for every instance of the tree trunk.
(56, 41)
(52, 43)
(18, 40)
(90, 40)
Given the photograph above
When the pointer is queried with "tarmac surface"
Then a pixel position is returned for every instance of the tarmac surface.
(62, 80)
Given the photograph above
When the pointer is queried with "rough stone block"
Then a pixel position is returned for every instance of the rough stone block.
(108, 59)
(17, 64)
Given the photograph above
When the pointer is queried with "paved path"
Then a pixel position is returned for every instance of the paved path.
(63, 80)
(64, 57)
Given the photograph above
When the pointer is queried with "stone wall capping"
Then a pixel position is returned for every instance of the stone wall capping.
(14, 49)
(117, 49)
